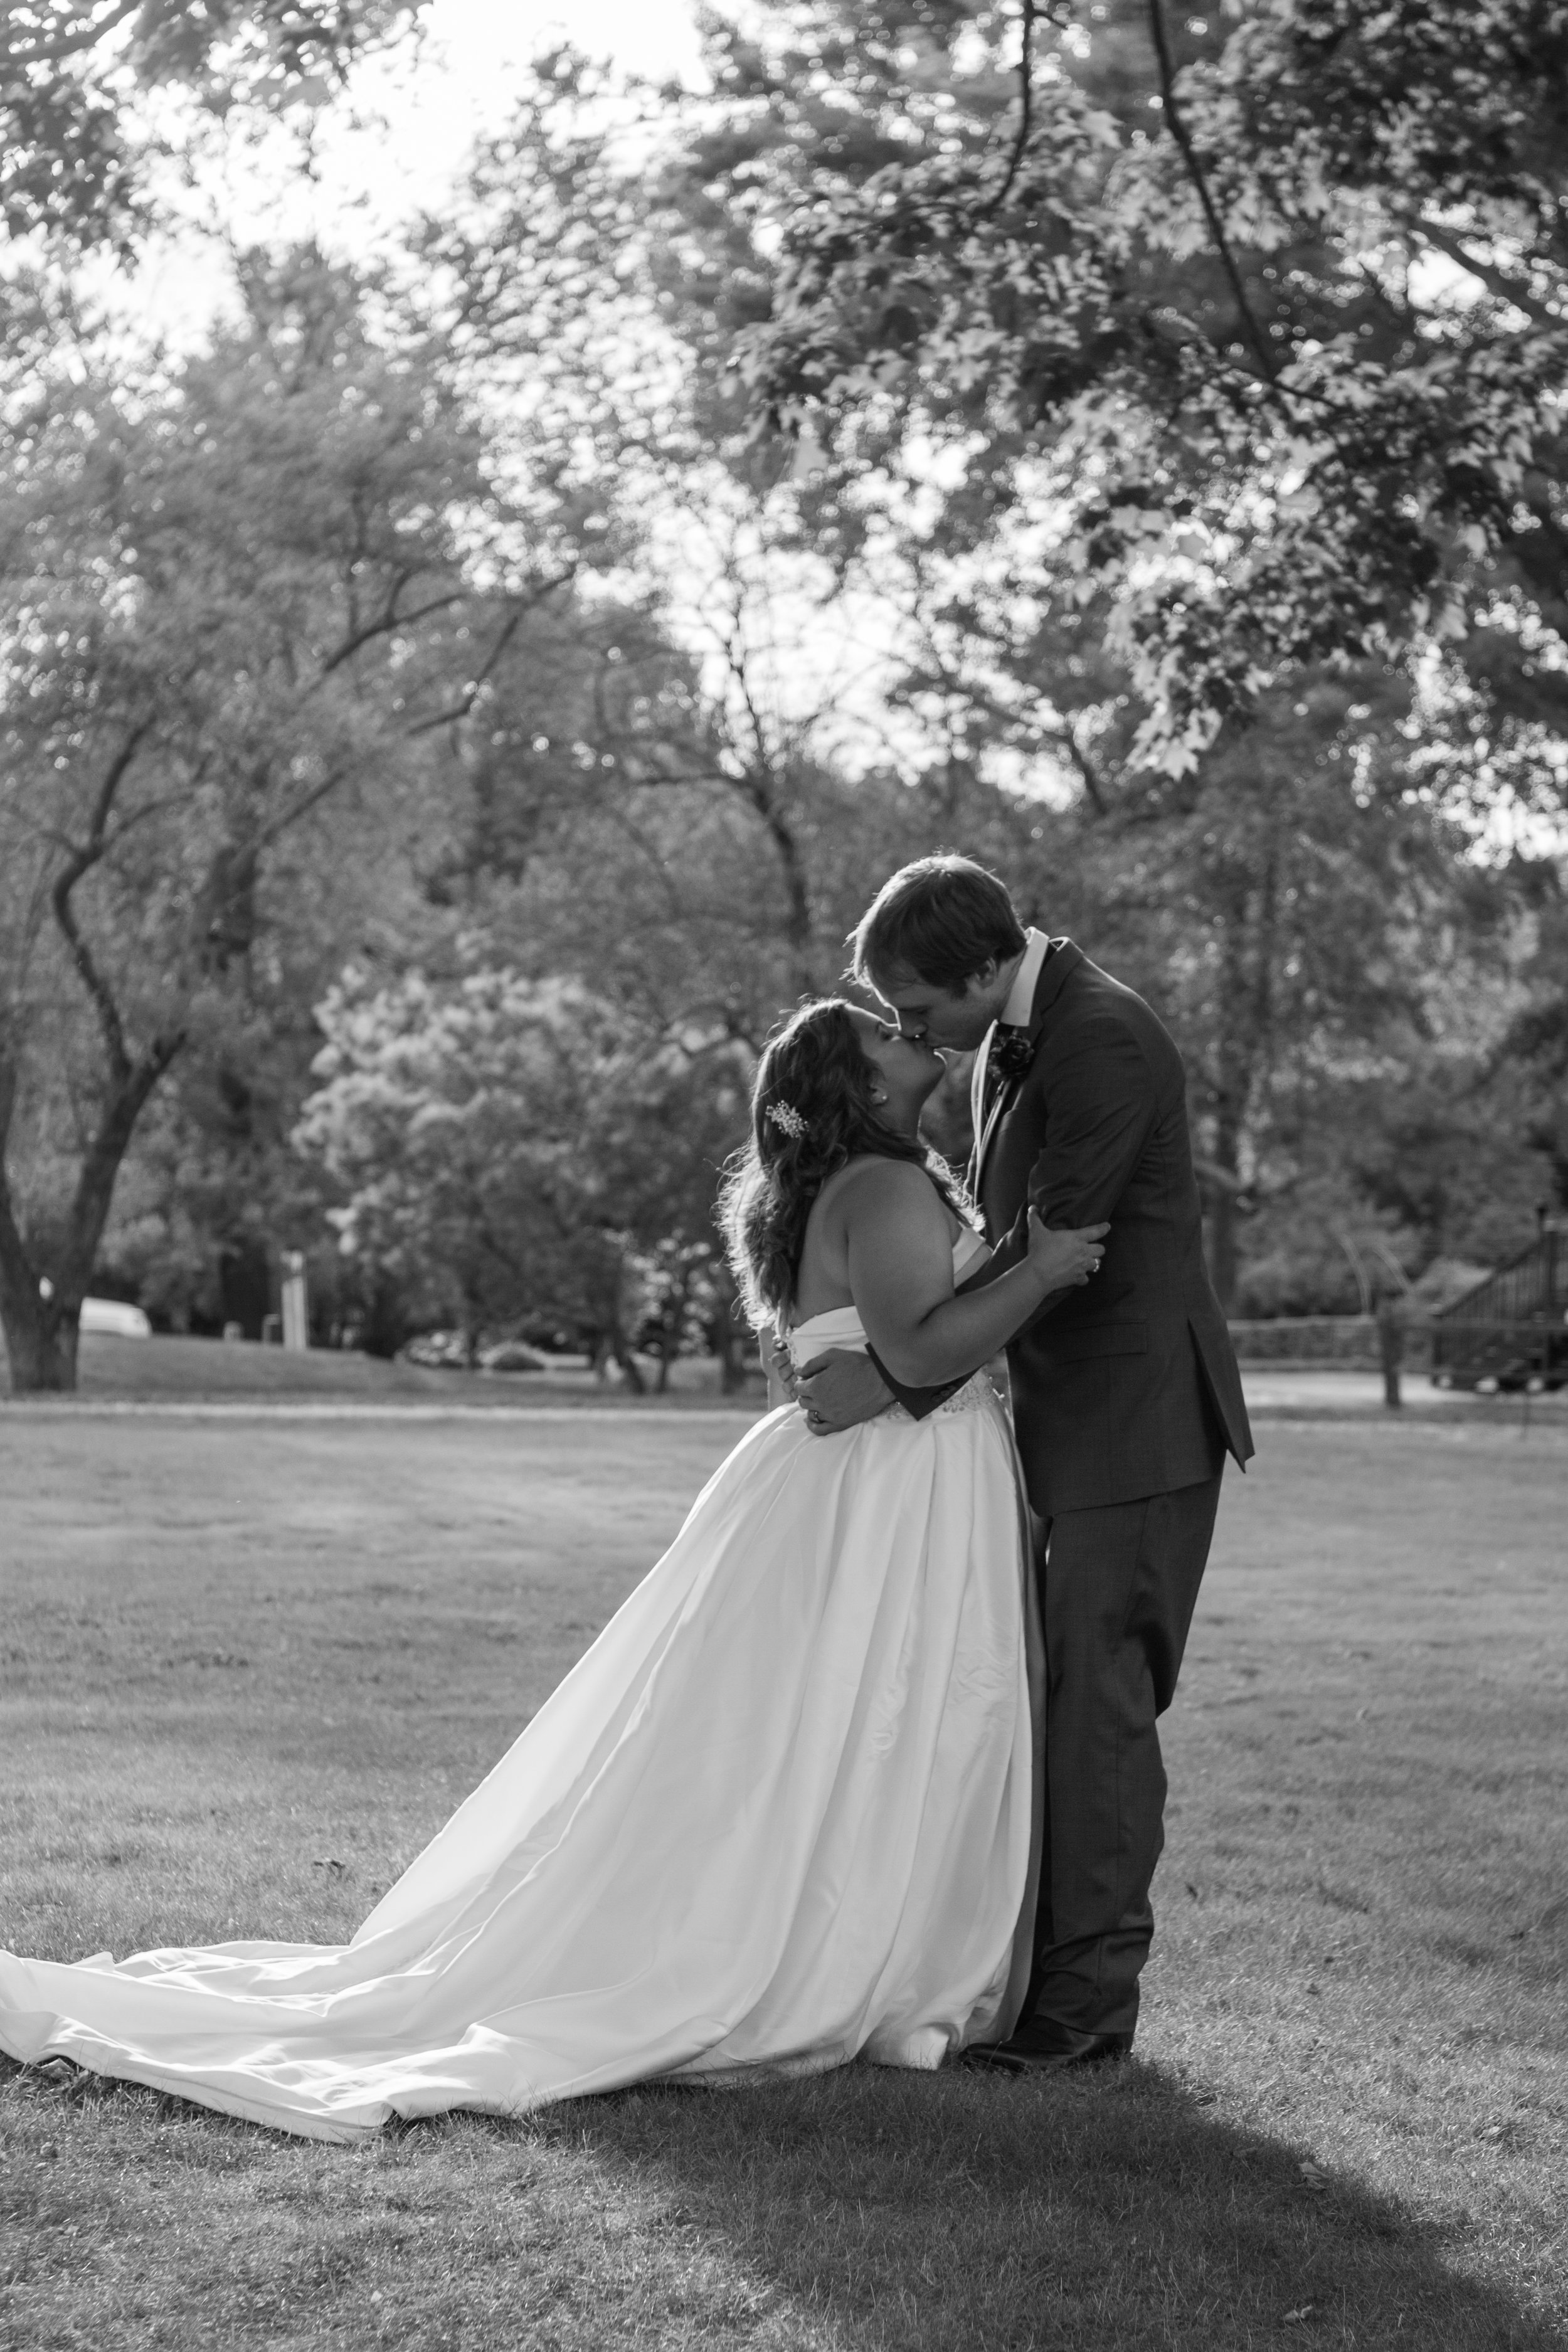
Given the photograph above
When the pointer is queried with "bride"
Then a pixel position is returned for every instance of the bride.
(778, 1815)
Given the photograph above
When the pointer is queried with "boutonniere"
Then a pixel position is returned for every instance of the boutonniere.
(1011, 1051)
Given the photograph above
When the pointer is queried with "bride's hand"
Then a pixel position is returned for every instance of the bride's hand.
(1066, 1256)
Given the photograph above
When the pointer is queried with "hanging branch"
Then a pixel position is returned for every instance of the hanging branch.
(1025, 107)
(1180, 133)
(46, 50)
(522, 607)
(81, 861)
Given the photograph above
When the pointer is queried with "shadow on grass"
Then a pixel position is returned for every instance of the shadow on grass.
(1112, 2211)
(861, 2212)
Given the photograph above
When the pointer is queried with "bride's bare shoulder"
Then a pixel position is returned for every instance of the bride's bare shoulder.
(873, 1186)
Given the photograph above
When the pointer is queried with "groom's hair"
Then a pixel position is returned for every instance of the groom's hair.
(940, 920)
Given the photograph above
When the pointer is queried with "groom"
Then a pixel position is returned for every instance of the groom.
(1126, 1397)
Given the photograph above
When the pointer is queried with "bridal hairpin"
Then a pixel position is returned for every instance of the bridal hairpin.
(787, 1119)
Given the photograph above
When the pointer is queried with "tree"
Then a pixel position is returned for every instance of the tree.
(1260, 313)
(518, 1150)
(1288, 902)
(74, 162)
(991, 307)
(233, 606)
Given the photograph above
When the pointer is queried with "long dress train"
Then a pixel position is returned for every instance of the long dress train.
(776, 1817)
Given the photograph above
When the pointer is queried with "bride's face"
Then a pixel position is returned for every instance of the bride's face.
(905, 1069)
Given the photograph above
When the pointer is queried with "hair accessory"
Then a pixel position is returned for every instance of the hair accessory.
(787, 1119)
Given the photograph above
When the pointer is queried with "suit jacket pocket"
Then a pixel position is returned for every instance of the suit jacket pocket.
(1095, 1339)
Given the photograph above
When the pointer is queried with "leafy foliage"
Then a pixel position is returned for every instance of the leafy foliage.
(1187, 412)
(73, 161)
(509, 1148)
(234, 610)
(1266, 318)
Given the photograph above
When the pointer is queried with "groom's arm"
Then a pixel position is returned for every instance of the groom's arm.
(847, 1390)
(1103, 1108)
(840, 1390)
(917, 1402)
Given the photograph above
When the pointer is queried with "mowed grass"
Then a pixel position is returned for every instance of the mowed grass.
(250, 1665)
(168, 1370)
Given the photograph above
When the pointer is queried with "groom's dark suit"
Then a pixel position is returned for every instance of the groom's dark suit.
(1125, 1400)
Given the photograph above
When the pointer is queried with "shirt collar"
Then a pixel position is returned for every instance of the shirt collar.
(1020, 1005)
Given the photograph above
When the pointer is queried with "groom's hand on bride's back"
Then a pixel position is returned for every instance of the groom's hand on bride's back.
(840, 1390)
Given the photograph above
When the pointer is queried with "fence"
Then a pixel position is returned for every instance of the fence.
(1329, 1342)
(1475, 1352)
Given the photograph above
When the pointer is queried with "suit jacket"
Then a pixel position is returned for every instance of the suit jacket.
(1127, 1386)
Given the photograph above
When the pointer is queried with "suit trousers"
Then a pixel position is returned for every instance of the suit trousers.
(1118, 1587)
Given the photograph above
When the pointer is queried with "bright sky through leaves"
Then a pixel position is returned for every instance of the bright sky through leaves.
(397, 146)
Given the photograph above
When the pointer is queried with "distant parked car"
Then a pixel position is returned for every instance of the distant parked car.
(512, 1356)
(114, 1318)
(437, 1351)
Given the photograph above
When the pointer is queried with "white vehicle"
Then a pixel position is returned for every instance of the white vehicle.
(114, 1318)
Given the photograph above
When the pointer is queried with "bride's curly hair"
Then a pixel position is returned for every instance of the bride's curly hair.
(811, 1111)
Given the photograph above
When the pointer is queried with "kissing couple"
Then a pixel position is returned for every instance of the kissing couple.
(868, 1764)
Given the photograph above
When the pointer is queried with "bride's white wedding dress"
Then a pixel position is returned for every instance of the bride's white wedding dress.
(778, 1816)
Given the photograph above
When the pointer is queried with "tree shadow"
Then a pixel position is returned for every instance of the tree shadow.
(868, 2211)
(1108, 2209)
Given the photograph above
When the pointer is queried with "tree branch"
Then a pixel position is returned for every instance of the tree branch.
(461, 709)
(7, 1103)
(1086, 767)
(69, 45)
(100, 1166)
(389, 618)
(1025, 108)
(1495, 280)
(1179, 133)
(81, 862)
(281, 824)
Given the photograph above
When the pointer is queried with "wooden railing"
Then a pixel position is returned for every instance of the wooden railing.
(1528, 1352)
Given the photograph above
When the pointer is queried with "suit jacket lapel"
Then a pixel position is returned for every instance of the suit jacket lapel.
(1064, 959)
(1061, 958)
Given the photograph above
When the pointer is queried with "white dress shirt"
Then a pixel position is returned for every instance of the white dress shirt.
(1020, 1001)
(1015, 1012)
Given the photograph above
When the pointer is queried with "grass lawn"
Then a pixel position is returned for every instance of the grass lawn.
(249, 1666)
(166, 1370)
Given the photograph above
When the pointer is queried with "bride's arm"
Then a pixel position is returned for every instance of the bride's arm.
(900, 1275)
(776, 1367)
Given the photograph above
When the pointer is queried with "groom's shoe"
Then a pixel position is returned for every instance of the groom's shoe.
(1041, 2047)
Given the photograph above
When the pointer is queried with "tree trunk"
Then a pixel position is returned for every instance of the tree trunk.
(40, 1320)
(41, 1337)
(1223, 1264)
(731, 1334)
(760, 786)
(1245, 1014)
(672, 1328)
(41, 1324)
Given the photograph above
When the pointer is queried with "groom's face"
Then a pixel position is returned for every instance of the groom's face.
(955, 1021)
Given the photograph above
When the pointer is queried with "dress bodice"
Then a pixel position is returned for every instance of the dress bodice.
(841, 1326)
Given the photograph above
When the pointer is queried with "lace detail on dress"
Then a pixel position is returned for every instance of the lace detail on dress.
(978, 1392)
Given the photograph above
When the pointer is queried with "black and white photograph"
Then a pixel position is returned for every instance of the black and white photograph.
(783, 1176)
